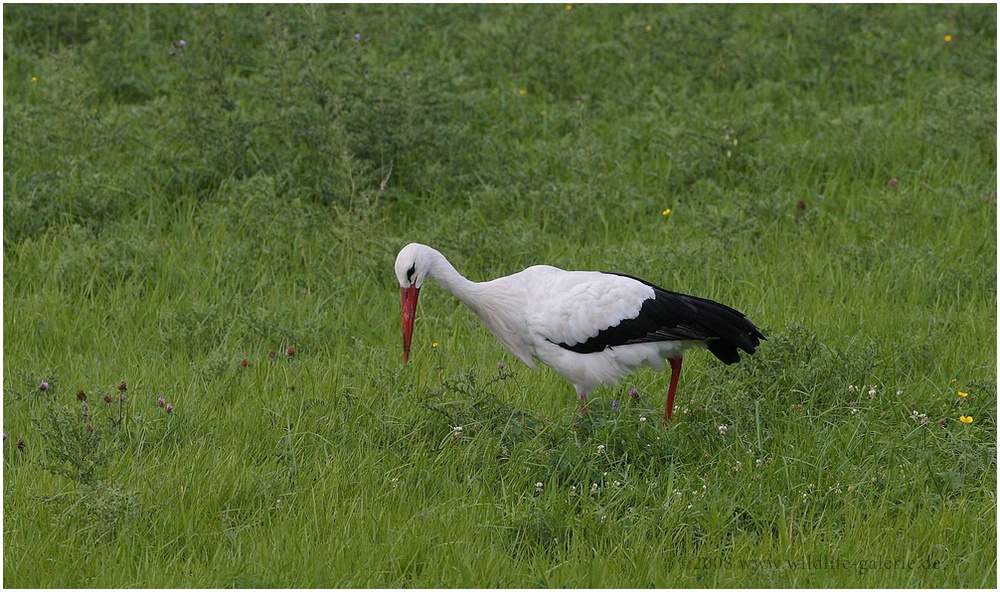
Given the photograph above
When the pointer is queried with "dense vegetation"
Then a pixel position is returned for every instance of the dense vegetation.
(203, 382)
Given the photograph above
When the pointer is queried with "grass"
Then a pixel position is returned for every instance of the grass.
(177, 215)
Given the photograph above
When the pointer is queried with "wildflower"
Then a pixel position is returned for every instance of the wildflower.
(649, 27)
(538, 487)
(122, 387)
(34, 79)
(667, 211)
(963, 394)
(965, 419)
(5, 436)
(21, 444)
(244, 363)
(357, 36)
(851, 388)
(614, 404)
(600, 448)
(919, 417)
(160, 401)
(271, 353)
(854, 411)
(107, 398)
(723, 430)
(872, 392)
(542, 112)
(947, 38)
(633, 393)
(457, 431)
(593, 489)
(569, 7)
(572, 490)
(170, 407)
(522, 92)
(801, 205)
(81, 396)
(43, 386)
(435, 344)
(500, 364)
(892, 182)
(642, 419)
(290, 351)
(121, 397)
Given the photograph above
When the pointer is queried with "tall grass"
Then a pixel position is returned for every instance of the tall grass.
(204, 203)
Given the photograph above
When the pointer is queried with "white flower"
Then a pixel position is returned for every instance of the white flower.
(538, 487)
(723, 430)
(457, 431)
(600, 448)
(642, 419)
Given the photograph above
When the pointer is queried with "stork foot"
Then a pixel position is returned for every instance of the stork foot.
(582, 398)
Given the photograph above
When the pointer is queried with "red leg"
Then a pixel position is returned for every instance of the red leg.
(675, 374)
(582, 398)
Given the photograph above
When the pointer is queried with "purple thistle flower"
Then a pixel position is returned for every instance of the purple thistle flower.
(122, 386)
(500, 364)
(21, 444)
(43, 386)
(5, 436)
(614, 404)
(81, 396)
(182, 43)
(170, 407)
(893, 182)
(160, 401)
(357, 36)
(633, 393)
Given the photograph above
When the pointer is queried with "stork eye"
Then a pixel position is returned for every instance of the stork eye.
(410, 272)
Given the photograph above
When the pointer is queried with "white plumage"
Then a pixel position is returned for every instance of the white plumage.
(590, 327)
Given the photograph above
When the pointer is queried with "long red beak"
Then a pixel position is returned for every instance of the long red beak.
(409, 298)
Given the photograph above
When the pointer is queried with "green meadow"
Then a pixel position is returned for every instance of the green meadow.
(203, 383)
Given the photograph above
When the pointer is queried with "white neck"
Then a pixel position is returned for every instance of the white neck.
(443, 272)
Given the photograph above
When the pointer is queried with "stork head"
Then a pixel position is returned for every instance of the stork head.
(412, 265)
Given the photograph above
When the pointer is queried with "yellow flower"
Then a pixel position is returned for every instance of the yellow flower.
(569, 7)
(963, 394)
(34, 79)
(522, 92)
(542, 113)
(667, 211)
(649, 27)
(947, 38)
(435, 344)
(965, 419)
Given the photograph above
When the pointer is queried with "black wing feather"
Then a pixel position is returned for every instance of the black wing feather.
(672, 316)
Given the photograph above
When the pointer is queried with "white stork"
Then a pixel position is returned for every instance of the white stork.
(590, 327)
